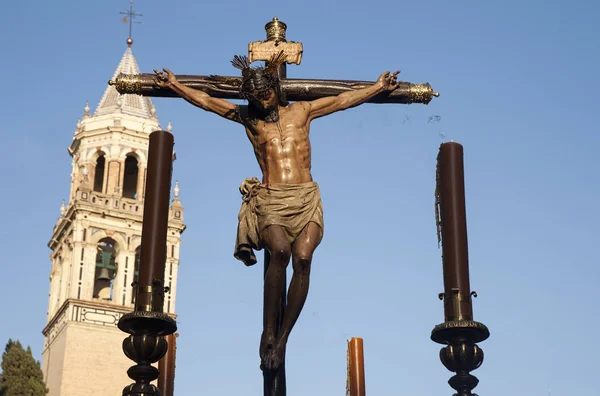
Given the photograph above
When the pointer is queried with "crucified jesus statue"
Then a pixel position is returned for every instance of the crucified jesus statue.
(283, 212)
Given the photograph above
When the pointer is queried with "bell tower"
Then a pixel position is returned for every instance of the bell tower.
(95, 245)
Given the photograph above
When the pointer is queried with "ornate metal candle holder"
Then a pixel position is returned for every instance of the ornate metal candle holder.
(461, 354)
(145, 346)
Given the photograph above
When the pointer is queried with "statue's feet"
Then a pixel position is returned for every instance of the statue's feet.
(267, 344)
(274, 356)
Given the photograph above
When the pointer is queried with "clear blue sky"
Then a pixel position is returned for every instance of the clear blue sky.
(519, 89)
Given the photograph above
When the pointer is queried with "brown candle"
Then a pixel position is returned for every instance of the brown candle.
(453, 224)
(150, 290)
(166, 366)
(356, 367)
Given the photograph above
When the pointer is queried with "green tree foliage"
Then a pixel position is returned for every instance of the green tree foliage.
(21, 373)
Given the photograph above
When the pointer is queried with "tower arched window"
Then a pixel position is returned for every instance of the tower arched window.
(130, 178)
(136, 271)
(106, 269)
(99, 173)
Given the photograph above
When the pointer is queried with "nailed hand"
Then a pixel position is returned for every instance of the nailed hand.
(389, 81)
(164, 80)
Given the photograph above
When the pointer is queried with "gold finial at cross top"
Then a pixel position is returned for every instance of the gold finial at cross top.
(275, 43)
(129, 18)
(276, 30)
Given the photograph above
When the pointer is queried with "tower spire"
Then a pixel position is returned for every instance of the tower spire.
(129, 18)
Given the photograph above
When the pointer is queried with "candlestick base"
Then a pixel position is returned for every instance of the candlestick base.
(474, 331)
(145, 345)
(461, 354)
(147, 322)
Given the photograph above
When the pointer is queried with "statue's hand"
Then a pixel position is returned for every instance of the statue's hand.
(389, 81)
(164, 80)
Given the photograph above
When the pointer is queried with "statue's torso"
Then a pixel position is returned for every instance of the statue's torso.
(282, 148)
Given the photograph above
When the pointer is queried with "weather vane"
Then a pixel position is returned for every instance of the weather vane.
(129, 17)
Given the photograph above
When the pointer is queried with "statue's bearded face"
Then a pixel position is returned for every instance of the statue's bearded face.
(259, 87)
(266, 100)
(262, 91)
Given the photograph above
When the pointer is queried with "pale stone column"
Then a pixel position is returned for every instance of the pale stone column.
(74, 260)
(126, 288)
(105, 176)
(60, 284)
(92, 176)
(64, 277)
(89, 272)
(174, 285)
(120, 260)
(114, 176)
(53, 286)
(140, 182)
(121, 180)
(171, 270)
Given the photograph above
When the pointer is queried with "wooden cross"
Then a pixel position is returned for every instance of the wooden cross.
(293, 89)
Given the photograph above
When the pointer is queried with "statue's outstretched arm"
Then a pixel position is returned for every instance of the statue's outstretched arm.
(325, 106)
(196, 97)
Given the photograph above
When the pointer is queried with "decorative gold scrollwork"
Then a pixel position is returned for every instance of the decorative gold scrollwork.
(127, 84)
(421, 93)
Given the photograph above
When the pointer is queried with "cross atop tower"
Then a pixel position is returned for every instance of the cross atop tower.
(129, 17)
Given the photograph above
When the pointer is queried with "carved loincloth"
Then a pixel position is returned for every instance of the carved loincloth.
(291, 206)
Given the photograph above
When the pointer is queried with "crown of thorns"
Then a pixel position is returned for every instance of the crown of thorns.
(257, 81)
